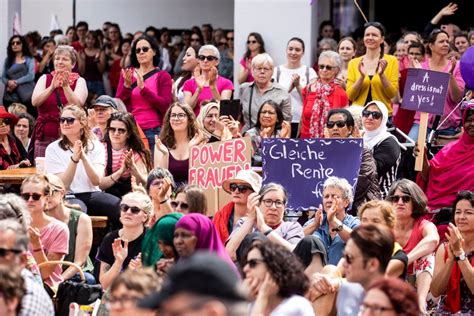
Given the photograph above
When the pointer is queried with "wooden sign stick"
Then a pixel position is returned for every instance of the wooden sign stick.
(360, 10)
(421, 141)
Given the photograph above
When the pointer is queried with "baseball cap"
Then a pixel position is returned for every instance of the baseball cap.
(105, 101)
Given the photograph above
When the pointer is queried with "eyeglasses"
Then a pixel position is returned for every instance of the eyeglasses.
(268, 112)
(67, 120)
(121, 131)
(325, 67)
(269, 203)
(27, 196)
(241, 187)
(181, 205)
(178, 116)
(209, 58)
(231, 38)
(120, 301)
(396, 198)
(144, 49)
(375, 309)
(252, 42)
(260, 69)
(376, 115)
(16, 43)
(253, 262)
(5, 121)
(349, 259)
(124, 208)
(339, 124)
(4, 252)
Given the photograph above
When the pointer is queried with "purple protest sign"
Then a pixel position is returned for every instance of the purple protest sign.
(302, 166)
(425, 90)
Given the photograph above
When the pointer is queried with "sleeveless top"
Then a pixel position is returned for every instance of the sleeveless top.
(72, 225)
(92, 72)
(179, 169)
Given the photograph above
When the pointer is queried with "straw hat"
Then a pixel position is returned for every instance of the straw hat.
(247, 177)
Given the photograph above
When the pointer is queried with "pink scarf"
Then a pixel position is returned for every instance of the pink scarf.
(321, 107)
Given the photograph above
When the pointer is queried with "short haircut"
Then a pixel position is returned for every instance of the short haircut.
(412, 189)
(348, 116)
(336, 58)
(14, 207)
(144, 200)
(386, 208)
(153, 45)
(21, 238)
(68, 50)
(212, 48)
(462, 196)
(196, 198)
(82, 23)
(143, 281)
(341, 184)
(329, 41)
(272, 186)
(420, 46)
(262, 59)
(159, 173)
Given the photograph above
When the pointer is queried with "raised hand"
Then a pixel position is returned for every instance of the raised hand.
(453, 65)
(165, 186)
(127, 77)
(331, 213)
(212, 76)
(381, 66)
(160, 146)
(136, 263)
(120, 252)
(197, 139)
(140, 81)
(450, 9)
(269, 287)
(57, 80)
(231, 124)
(252, 204)
(65, 82)
(455, 239)
(285, 130)
(266, 132)
(137, 187)
(252, 285)
(199, 77)
(77, 152)
(361, 69)
(34, 235)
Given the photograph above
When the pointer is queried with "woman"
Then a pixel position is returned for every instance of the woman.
(24, 128)
(158, 242)
(270, 124)
(176, 138)
(112, 46)
(71, 34)
(46, 64)
(453, 273)
(80, 230)
(145, 89)
(255, 46)
(347, 50)
(52, 92)
(189, 199)
(122, 248)
(206, 84)
(12, 153)
(210, 125)
(49, 238)
(418, 237)
(125, 155)
(79, 160)
(374, 75)
(276, 281)
(91, 63)
(18, 72)
(321, 96)
(461, 42)
(121, 63)
(190, 61)
(438, 60)
(340, 124)
(451, 169)
(159, 187)
(128, 288)
(294, 76)
(383, 145)
(391, 297)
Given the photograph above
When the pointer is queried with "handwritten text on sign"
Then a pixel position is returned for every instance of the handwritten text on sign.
(425, 90)
(213, 163)
(302, 166)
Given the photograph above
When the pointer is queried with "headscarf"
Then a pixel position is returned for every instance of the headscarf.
(373, 138)
(206, 234)
(226, 134)
(452, 169)
(162, 230)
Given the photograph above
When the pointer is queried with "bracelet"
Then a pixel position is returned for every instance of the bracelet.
(39, 249)
(268, 232)
(112, 178)
(72, 159)
(164, 201)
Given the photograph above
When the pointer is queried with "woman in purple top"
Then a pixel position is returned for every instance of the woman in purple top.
(206, 83)
(144, 88)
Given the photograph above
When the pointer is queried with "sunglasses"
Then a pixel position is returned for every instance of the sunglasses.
(181, 205)
(396, 198)
(27, 196)
(124, 208)
(113, 130)
(144, 49)
(253, 262)
(195, 39)
(325, 67)
(67, 120)
(376, 115)
(252, 42)
(222, 44)
(16, 43)
(4, 252)
(209, 58)
(241, 187)
(349, 259)
(339, 124)
(230, 38)
(5, 121)
(377, 25)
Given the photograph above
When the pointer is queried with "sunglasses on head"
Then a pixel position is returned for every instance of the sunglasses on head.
(4, 252)
(396, 198)
(124, 208)
(181, 205)
(253, 262)
(339, 124)
(144, 49)
(5, 121)
(241, 187)
(113, 130)
(376, 115)
(325, 67)
(209, 58)
(377, 25)
(27, 196)
(67, 120)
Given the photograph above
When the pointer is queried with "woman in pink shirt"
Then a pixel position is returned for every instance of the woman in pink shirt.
(206, 83)
(145, 89)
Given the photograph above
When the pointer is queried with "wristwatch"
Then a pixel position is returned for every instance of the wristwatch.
(461, 257)
(339, 228)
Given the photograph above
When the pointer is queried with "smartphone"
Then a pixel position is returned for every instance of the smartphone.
(230, 108)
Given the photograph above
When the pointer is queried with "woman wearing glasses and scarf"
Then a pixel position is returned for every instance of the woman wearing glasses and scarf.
(12, 153)
(373, 76)
(121, 249)
(206, 83)
(321, 96)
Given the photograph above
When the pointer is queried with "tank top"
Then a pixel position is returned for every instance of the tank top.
(72, 225)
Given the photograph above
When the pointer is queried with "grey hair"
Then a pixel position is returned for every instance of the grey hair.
(262, 59)
(331, 42)
(335, 57)
(14, 207)
(341, 184)
(61, 39)
(66, 49)
(21, 237)
(211, 48)
(159, 173)
(272, 186)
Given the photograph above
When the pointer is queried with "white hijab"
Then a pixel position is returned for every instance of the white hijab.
(373, 138)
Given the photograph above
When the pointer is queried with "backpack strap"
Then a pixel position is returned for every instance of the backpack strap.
(278, 74)
(307, 75)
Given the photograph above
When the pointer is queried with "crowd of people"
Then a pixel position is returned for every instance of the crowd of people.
(112, 117)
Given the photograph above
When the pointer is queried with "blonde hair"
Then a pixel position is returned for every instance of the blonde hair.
(86, 133)
(143, 200)
(66, 49)
(388, 212)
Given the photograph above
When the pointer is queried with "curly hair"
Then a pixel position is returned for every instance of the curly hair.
(418, 197)
(402, 295)
(167, 133)
(462, 195)
(25, 50)
(284, 267)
